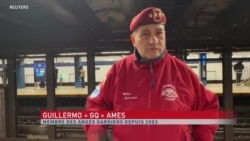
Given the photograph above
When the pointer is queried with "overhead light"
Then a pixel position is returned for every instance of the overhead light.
(35, 55)
(70, 54)
(67, 61)
(115, 52)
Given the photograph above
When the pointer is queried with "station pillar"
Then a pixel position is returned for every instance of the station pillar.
(20, 74)
(77, 64)
(203, 68)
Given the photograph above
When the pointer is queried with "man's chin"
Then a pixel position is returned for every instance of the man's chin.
(153, 56)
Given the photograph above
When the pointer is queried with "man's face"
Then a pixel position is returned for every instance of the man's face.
(149, 40)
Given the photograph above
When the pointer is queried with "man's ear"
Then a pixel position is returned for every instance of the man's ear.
(132, 39)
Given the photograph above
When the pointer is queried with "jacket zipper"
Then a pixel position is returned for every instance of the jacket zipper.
(185, 136)
(149, 106)
(152, 84)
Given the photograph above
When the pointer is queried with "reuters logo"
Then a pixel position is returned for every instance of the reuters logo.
(18, 7)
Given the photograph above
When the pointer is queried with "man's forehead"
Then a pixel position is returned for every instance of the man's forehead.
(151, 27)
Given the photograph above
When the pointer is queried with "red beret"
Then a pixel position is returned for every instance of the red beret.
(151, 15)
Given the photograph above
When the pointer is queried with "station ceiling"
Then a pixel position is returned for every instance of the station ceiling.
(104, 24)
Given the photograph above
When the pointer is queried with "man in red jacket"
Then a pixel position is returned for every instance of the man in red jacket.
(153, 80)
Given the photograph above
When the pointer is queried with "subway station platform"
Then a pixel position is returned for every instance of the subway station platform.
(73, 91)
(60, 91)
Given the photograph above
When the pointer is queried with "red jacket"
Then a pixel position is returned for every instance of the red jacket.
(137, 86)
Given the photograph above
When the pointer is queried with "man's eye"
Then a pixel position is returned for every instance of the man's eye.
(144, 34)
(159, 33)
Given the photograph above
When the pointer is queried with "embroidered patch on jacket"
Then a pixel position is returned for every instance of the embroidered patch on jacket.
(129, 96)
(169, 92)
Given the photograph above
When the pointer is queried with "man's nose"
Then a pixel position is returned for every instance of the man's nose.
(153, 39)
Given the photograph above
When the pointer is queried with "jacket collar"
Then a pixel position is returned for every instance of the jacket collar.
(140, 60)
